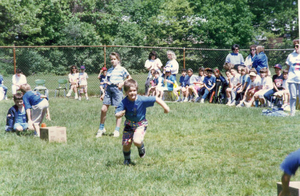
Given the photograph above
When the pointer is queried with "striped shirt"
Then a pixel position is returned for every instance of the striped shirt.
(117, 74)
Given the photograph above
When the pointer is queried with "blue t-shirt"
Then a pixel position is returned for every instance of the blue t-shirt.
(182, 81)
(21, 117)
(291, 163)
(245, 78)
(31, 98)
(169, 85)
(209, 81)
(1, 79)
(136, 110)
(102, 79)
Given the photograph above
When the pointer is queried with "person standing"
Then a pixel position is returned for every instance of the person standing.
(260, 60)
(172, 63)
(250, 57)
(153, 62)
(235, 57)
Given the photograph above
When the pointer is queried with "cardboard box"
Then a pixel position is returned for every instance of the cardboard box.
(294, 188)
(54, 134)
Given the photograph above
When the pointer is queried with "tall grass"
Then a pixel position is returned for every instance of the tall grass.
(194, 150)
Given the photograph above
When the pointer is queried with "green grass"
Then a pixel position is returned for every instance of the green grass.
(194, 150)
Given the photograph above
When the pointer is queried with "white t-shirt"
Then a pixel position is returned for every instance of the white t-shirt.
(173, 65)
(293, 60)
(235, 80)
(73, 77)
(153, 64)
(266, 83)
(254, 84)
(83, 78)
(19, 80)
(200, 78)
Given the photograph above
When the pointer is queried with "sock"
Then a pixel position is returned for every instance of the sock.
(126, 155)
(117, 129)
(70, 91)
(101, 127)
(140, 148)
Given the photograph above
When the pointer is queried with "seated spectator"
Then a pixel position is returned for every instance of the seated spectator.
(152, 84)
(245, 80)
(153, 62)
(4, 87)
(16, 119)
(181, 89)
(198, 84)
(17, 80)
(265, 85)
(36, 106)
(251, 90)
(160, 86)
(234, 83)
(191, 79)
(284, 94)
(73, 79)
(209, 84)
(221, 85)
(277, 83)
(103, 82)
(83, 76)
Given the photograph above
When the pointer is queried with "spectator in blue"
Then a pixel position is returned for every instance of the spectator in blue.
(209, 84)
(260, 60)
(235, 57)
(4, 87)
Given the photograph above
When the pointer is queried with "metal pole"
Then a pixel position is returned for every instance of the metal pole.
(298, 19)
(15, 62)
(105, 54)
(184, 55)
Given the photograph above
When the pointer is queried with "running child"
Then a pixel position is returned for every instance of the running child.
(134, 106)
(113, 95)
(83, 76)
(103, 83)
(16, 119)
(36, 106)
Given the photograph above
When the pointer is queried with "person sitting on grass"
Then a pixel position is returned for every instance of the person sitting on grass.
(168, 82)
(251, 90)
(134, 106)
(191, 83)
(265, 85)
(209, 84)
(234, 83)
(220, 87)
(289, 166)
(36, 106)
(245, 81)
(103, 82)
(16, 119)
(83, 76)
(198, 84)
(181, 90)
(284, 94)
(73, 80)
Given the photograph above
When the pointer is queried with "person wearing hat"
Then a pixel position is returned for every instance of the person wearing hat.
(83, 76)
(103, 83)
(293, 81)
(277, 83)
(251, 90)
(169, 80)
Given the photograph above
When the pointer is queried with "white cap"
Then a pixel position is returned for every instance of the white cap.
(252, 74)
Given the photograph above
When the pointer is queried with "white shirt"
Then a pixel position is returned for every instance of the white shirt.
(254, 84)
(173, 65)
(73, 77)
(83, 78)
(235, 80)
(153, 64)
(293, 60)
(19, 80)
(266, 83)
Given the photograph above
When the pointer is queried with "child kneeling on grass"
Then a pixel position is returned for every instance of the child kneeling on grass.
(134, 106)
(16, 119)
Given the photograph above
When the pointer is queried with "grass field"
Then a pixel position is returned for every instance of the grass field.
(194, 150)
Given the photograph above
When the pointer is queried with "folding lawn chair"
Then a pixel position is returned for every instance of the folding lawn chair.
(40, 86)
(62, 85)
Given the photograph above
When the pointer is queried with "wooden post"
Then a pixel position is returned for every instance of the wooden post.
(15, 62)
(104, 48)
(184, 56)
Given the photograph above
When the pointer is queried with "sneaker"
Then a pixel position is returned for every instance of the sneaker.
(116, 133)
(79, 98)
(142, 152)
(247, 104)
(127, 162)
(100, 133)
(232, 103)
(87, 98)
(185, 100)
(68, 95)
(76, 96)
(197, 99)
(240, 105)
(179, 99)
(202, 101)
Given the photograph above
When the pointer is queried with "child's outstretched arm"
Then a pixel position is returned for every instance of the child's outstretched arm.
(163, 105)
(120, 114)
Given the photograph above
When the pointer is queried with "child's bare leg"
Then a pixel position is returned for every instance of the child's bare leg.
(103, 113)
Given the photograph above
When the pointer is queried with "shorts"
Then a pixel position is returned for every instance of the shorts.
(38, 111)
(83, 88)
(196, 87)
(134, 132)
(261, 93)
(23, 125)
(113, 96)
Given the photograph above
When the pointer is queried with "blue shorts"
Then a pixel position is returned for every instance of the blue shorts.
(23, 125)
(291, 163)
(113, 96)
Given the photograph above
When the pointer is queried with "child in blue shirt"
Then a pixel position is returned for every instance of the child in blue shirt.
(16, 119)
(36, 106)
(181, 88)
(134, 107)
(103, 82)
(4, 87)
(209, 83)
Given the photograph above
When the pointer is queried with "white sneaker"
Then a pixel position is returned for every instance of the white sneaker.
(202, 101)
(68, 95)
(100, 133)
(79, 98)
(185, 100)
(76, 96)
(87, 98)
(116, 133)
(247, 104)
(232, 103)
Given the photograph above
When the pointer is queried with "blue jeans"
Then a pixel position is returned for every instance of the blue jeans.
(206, 93)
(268, 95)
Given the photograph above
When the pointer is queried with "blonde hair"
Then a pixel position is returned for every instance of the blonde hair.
(172, 53)
(260, 49)
(25, 87)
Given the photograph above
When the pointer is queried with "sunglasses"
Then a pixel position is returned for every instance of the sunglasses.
(73, 68)
(252, 49)
(297, 46)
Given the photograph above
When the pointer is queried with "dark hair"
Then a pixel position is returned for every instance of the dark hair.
(285, 71)
(263, 70)
(156, 72)
(152, 53)
(183, 70)
(18, 96)
(71, 68)
(18, 70)
(190, 69)
(115, 54)
(201, 69)
(253, 70)
(234, 47)
(130, 83)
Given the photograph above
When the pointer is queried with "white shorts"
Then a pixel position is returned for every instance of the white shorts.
(38, 111)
